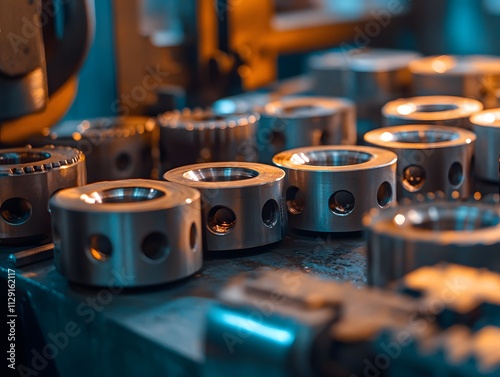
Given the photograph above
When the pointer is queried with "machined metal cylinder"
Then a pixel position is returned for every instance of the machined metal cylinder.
(128, 233)
(473, 76)
(242, 203)
(430, 158)
(196, 136)
(439, 110)
(115, 148)
(405, 238)
(297, 122)
(486, 125)
(28, 177)
(329, 189)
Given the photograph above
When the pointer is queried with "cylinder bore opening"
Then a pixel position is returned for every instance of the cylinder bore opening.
(220, 174)
(427, 136)
(100, 247)
(270, 213)
(295, 200)
(155, 246)
(460, 219)
(16, 211)
(17, 158)
(436, 107)
(331, 158)
(123, 161)
(342, 203)
(384, 194)
(122, 195)
(413, 178)
(221, 220)
(203, 117)
(301, 109)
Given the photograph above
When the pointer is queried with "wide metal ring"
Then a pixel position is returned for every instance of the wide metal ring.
(430, 158)
(28, 177)
(191, 136)
(472, 76)
(404, 238)
(328, 189)
(486, 125)
(131, 233)
(242, 203)
(440, 110)
(115, 148)
(296, 122)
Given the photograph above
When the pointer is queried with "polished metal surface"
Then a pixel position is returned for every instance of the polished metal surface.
(28, 177)
(146, 232)
(329, 188)
(369, 76)
(473, 76)
(242, 203)
(195, 136)
(296, 122)
(114, 148)
(403, 239)
(430, 158)
(439, 110)
(486, 125)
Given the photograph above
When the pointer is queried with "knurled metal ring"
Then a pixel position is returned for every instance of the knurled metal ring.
(28, 177)
(133, 232)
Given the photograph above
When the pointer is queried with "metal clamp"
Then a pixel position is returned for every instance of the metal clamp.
(439, 110)
(191, 136)
(242, 202)
(430, 158)
(405, 238)
(328, 189)
(133, 233)
(28, 177)
(296, 122)
(486, 125)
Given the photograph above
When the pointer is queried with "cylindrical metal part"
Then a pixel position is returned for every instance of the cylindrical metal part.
(403, 239)
(371, 77)
(440, 110)
(195, 136)
(486, 125)
(128, 233)
(329, 189)
(430, 158)
(297, 122)
(28, 177)
(242, 203)
(472, 76)
(115, 148)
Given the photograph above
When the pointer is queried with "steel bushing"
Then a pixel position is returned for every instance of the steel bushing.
(430, 158)
(28, 177)
(486, 125)
(115, 148)
(328, 189)
(472, 76)
(195, 136)
(297, 122)
(405, 238)
(439, 110)
(129, 233)
(242, 203)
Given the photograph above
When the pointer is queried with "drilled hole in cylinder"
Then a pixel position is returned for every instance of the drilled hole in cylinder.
(270, 213)
(123, 161)
(220, 174)
(221, 220)
(122, 195)
(324, 138)
(456, 174)
(427, 136)
(100, 247)
(384, 194)
(155, 246)
(193, 237)
(295, 200)
(413, 178)
(16, 211)
(278, 140)
(17, 158)
(330, 158)
(342, 203)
